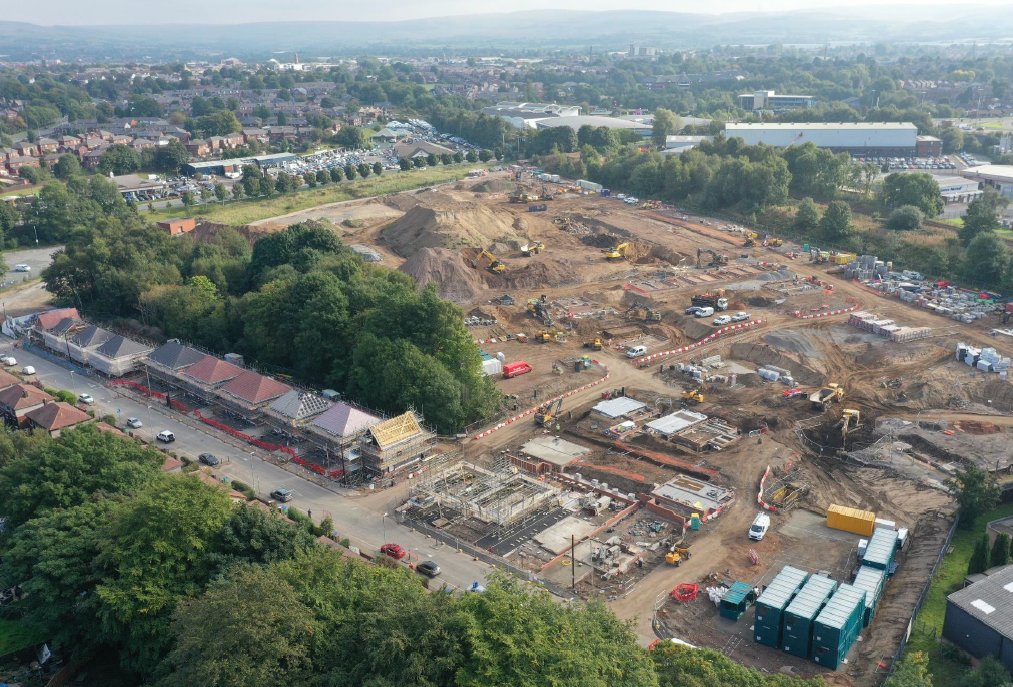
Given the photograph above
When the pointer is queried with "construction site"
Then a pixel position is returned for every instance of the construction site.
(668, 376)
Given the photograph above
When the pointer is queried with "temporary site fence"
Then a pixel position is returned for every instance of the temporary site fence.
(642, 362)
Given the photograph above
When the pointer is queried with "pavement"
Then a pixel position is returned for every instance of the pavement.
(359, 517)
(36, 258)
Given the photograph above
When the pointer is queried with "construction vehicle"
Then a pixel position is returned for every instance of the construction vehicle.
(717, 259)
(495, 264)
(831, 393)
(714, 300)
(538, 308)
(538, 207)
(750, 242)
(548, 336)
(532, 248)
(547, 194)
(773, 242)
(851, 419)
(695, 396)
(676, 555)
(616, 252)
(547, 411)
(520, 196)
(793, 392)
(596, 344)
(821, 257)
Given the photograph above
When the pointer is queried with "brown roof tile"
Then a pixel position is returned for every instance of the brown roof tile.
(59, 415)
(23, 396)
(255, 388)
(212, 370)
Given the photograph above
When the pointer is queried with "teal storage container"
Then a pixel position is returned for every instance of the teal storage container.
(797, 631)
(837, 626)
(881, 549)
(872, 580)
(771, 603)
(736, 600)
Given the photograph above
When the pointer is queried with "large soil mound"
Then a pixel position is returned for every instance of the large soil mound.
(445, 268)
(451, 225)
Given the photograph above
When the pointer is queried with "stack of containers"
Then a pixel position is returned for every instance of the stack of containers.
(872, 580)
(770, 606)
(861, 522)
(735, 600)
(881, 549)
(837, 626)
(797, 633)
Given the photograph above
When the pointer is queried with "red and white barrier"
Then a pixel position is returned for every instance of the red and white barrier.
(759, 495)
(829, 313)
(642, 362)
(533, 409)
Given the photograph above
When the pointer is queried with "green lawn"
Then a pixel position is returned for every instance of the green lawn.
(31, 190)
(16, 635)
(1005, 233)
(246, 211)
(928, 625)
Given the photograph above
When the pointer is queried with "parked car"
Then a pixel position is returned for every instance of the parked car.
(87, 399)
(395, 551)
(165, 436)
(722, 319)
(428, 568)
(704, 312)
(758, 530)
(636, 351)
(134, 423)
(692, 310)
(9, 361)
(282, 494)
(27, 370)
(740, 316)
(209, 459)
(22, 267)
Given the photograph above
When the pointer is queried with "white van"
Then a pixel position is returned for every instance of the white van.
(636, 351)
(704, 312)
(758, 530)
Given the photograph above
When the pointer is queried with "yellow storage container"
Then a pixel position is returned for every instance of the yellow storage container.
(851, 520)
(843, 258)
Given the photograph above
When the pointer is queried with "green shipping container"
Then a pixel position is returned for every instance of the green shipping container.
(797, 631)
(881, 548)
(837, 626)
(771, 604)
(736, 600)
(872, 580)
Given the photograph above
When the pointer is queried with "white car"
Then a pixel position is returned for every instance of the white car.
(86, 399)
(22, 267)
(9, 361)
(740, 316)
(27, 370)
(722, 319)
(758, 530)
(134, 423)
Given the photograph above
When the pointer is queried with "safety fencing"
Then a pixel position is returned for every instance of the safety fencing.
(759, 495)
(642, 362)
(533, 409)
(829, 313)
(139, 388)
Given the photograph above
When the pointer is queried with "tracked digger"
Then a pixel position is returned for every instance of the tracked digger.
(495, 265)
(617, 252)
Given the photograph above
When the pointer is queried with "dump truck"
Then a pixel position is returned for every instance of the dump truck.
(532, 248)
(714, 300)
(595, 344)
(831, 393)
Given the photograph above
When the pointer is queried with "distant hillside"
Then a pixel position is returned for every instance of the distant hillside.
(490, 33)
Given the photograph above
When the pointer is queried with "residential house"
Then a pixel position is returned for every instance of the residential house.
(26, 149)
(255, 135)
(277, 134)
(47, 145)
(7, 153)
(122, 139)
(295, 408)
(251, 391)
(20, 399)
(395, 444)
(53, 418)
(117, 356)
(17, 163)
(338, 430)
(139, 144)
(55, 338)
(232, 140)
(177, 227)
(206, 376)
(84, 340)
(45, 321)
(169, 359)
(92, 158)
(7, 380)
(198, 147)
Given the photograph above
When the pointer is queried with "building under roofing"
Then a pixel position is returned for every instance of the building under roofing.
(616, 408)
(173, 356)
(297, 406)
(396, 443)
(211, 371)
(117, 356)
(253, 389)
(342, 421)
(979, 618)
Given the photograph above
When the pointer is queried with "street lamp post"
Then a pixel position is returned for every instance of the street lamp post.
(384, 519)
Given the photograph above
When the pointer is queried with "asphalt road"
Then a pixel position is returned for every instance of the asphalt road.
(358, 517)
(36, 258)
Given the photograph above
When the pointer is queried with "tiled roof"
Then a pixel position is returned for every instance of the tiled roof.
(23, 396)
(90, 336)
(49, 319)
(255, 388)
(120, 346)
(212, 370)
(65, 325)
(396, 429)
(53, 416)
(175, 355)
(299, 405)
(7, 379)
(342, 420)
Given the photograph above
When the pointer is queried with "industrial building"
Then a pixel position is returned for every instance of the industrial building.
(887, 138)
(527, 115)
(577, 121)
(775, 102)
(979, 618)
(999, 177)
(234, 167)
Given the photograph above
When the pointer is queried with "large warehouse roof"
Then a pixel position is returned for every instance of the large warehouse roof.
(846, 135)
(590, 120)
(1000, 173)
(990, 601)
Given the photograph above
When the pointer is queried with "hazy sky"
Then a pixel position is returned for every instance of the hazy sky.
(49, 12)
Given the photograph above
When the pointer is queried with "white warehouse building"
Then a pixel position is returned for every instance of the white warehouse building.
(886, 138)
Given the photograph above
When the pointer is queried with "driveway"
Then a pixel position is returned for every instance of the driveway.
(36, 258)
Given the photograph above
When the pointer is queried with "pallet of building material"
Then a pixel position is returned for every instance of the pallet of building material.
(905, 334)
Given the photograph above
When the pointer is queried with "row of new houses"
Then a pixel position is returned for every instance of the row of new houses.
(363, 444)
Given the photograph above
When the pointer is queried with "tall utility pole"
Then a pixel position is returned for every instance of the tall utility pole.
(573, 562)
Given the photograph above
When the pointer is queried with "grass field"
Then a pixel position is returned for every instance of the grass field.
(246, 211)
(16, 635)
(928, 625)
(20, 192)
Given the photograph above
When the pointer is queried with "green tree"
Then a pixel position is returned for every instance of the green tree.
(350, 172)
(446, 159)
(979, 562)
(352, 137)
(405, 164)
(171, 158)
(66, 167)
(1000, 550)
(377, 169)
(310, 179)
(458, 157)
(266, 186)
(484, 155)
(836, 223)
(323, 177)
(807, 219)
(912, 671)
(473, 157)
(221, 193)
(251, 630)
(917, 188)
(238, 191)
(953, 140)
(905, 218)
(364, 170)
(418, 162)
(220, 123)
(982, 215)
(119, 159)
(986, 261)
(666, 123)
(977, 493)
(188, 199)
(336, 175)
(431, 160)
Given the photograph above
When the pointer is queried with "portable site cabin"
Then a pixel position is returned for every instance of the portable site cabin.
(837, 626)
(852, 520)
(881, 549)
(798, 620)
(872, 580)
(736, 600)
(770, 606)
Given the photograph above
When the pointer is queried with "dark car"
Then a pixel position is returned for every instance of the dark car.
(428, 568)
(284, 495)
(209, 459)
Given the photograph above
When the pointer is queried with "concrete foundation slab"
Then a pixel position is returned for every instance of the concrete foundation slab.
(556, 538)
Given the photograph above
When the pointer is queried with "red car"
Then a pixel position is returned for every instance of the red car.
(394, 551)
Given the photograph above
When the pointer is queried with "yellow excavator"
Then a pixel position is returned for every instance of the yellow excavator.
(676, 555)
(595, 344)
(495, 264)
(616, 252)
(773, 242)
(695, 396)
(851, 419)
(547, 411)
